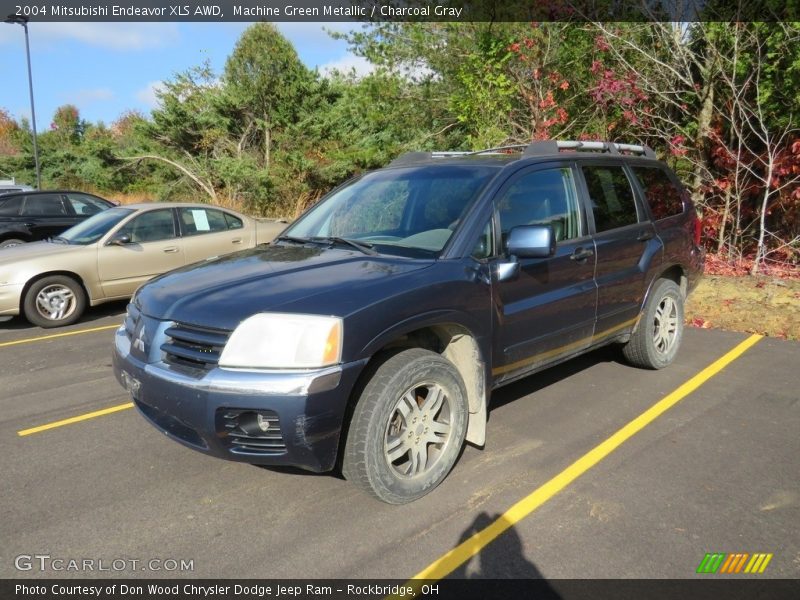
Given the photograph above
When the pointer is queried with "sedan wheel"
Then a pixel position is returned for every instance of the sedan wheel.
(54, 301)
(11, 243)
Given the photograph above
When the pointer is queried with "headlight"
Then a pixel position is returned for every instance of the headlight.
(284, 341)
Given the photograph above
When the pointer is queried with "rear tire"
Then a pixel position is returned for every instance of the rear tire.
(11, 243)
(54, 301)
(407, 428)
(658, 337)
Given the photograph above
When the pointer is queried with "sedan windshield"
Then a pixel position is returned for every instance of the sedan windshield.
(411, 211)
(95, 227)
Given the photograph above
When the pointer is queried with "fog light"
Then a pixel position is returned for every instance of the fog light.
(254, 424)
(263, 424)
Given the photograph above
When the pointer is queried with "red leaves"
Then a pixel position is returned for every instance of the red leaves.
(613, 91)
(548, 101)
(676, 147)
(717, 264)
(700, 322)
(601, 44)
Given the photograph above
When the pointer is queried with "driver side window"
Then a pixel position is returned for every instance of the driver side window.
(547, 197)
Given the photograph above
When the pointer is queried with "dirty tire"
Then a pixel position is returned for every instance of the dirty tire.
(54, 301)
(658, 337)
(407, 428)
(11, 243)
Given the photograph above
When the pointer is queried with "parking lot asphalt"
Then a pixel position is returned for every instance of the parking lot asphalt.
(717, 472)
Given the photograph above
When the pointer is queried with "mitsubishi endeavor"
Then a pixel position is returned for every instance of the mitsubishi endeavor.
(370, 335)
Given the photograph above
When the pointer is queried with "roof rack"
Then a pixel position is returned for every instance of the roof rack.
(541, 148)
(554, 146)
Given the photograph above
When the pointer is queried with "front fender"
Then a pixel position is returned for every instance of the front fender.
(421, 321)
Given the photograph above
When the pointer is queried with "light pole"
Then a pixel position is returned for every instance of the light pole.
(19, 20)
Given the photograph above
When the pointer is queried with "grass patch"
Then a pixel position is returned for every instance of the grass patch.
(759, 304)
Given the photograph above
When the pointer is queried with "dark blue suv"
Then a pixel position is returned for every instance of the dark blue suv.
(371, 334)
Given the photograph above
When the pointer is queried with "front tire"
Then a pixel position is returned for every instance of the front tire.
(11, 243)
(655, 343)
(407, 428)
(54, 301)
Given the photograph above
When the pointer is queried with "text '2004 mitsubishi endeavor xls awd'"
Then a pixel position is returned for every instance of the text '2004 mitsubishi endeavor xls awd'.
(373, 331)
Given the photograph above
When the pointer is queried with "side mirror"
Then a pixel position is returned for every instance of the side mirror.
(525, 241)
(120, 239)
(531, 241)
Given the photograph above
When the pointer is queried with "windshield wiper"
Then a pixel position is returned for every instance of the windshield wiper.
(60, 239)
(364, 247)
(295, 240)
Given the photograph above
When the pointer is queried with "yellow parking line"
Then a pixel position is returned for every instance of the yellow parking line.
(446, 564)
(57, 335)
(91, 415)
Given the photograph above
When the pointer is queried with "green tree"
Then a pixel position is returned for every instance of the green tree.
(268, 85)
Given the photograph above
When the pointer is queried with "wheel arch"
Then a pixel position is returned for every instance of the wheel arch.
(454, 339)
(40, 276)
(674, 272)
(16, 235)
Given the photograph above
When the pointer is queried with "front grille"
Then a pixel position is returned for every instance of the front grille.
(241, 439)
(194, 347)
(132, 315)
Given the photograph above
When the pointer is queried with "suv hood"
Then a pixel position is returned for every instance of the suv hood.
(222, 292)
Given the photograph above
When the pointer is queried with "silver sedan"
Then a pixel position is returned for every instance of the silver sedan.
(112, 253)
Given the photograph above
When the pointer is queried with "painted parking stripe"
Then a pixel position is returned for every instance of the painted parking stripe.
(57, 335)
(456, 557)
(78, 419)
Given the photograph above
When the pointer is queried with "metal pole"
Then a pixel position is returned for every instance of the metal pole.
(33, 111)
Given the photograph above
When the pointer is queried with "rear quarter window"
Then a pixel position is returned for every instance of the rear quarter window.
(663, 197)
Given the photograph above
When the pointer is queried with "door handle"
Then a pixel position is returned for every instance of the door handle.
(29, 224)
(581, 254)
(171, 249)
(236, 241)
(645, 235)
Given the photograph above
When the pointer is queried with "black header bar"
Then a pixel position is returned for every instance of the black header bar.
(729, 588)
(401, 10)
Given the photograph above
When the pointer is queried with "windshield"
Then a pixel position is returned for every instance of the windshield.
(95, 227)
(411, 211)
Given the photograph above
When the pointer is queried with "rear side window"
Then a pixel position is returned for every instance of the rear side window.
(663, 197)
(611, 197)
(43, 205)
(10, 208)
(85, 205)
(201, 220)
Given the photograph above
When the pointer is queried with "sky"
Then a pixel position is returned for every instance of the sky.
(107, 68)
